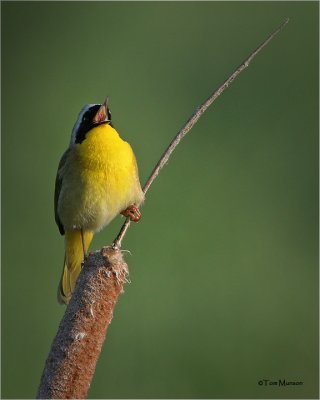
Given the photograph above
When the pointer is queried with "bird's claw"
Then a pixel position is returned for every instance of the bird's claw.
(132, 212)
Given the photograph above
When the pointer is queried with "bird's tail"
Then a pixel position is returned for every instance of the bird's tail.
(72, 262)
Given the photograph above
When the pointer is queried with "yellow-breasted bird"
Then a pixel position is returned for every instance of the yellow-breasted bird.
(97, 179)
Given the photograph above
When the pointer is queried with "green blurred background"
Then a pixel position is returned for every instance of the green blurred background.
(224, 264)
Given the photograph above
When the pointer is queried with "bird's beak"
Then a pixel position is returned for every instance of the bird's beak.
(102, 114)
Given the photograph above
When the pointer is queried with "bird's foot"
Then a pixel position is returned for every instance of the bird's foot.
(132, 212)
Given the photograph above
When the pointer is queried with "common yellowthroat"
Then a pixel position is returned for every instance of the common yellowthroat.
(97, 179)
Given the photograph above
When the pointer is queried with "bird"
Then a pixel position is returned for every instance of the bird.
(97, 179)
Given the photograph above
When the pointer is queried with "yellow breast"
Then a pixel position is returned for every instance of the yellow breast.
(100, 180)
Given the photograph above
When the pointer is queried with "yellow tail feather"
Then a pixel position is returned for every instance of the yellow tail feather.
(72, 262)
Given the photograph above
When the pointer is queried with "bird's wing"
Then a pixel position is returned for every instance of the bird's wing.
(57, 190)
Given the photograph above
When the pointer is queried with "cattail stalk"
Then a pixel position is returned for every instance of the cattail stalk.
(72, 359)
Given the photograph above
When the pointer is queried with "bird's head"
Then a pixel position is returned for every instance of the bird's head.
(90, 116)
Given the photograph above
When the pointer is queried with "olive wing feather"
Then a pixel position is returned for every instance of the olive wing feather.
(58, 185)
